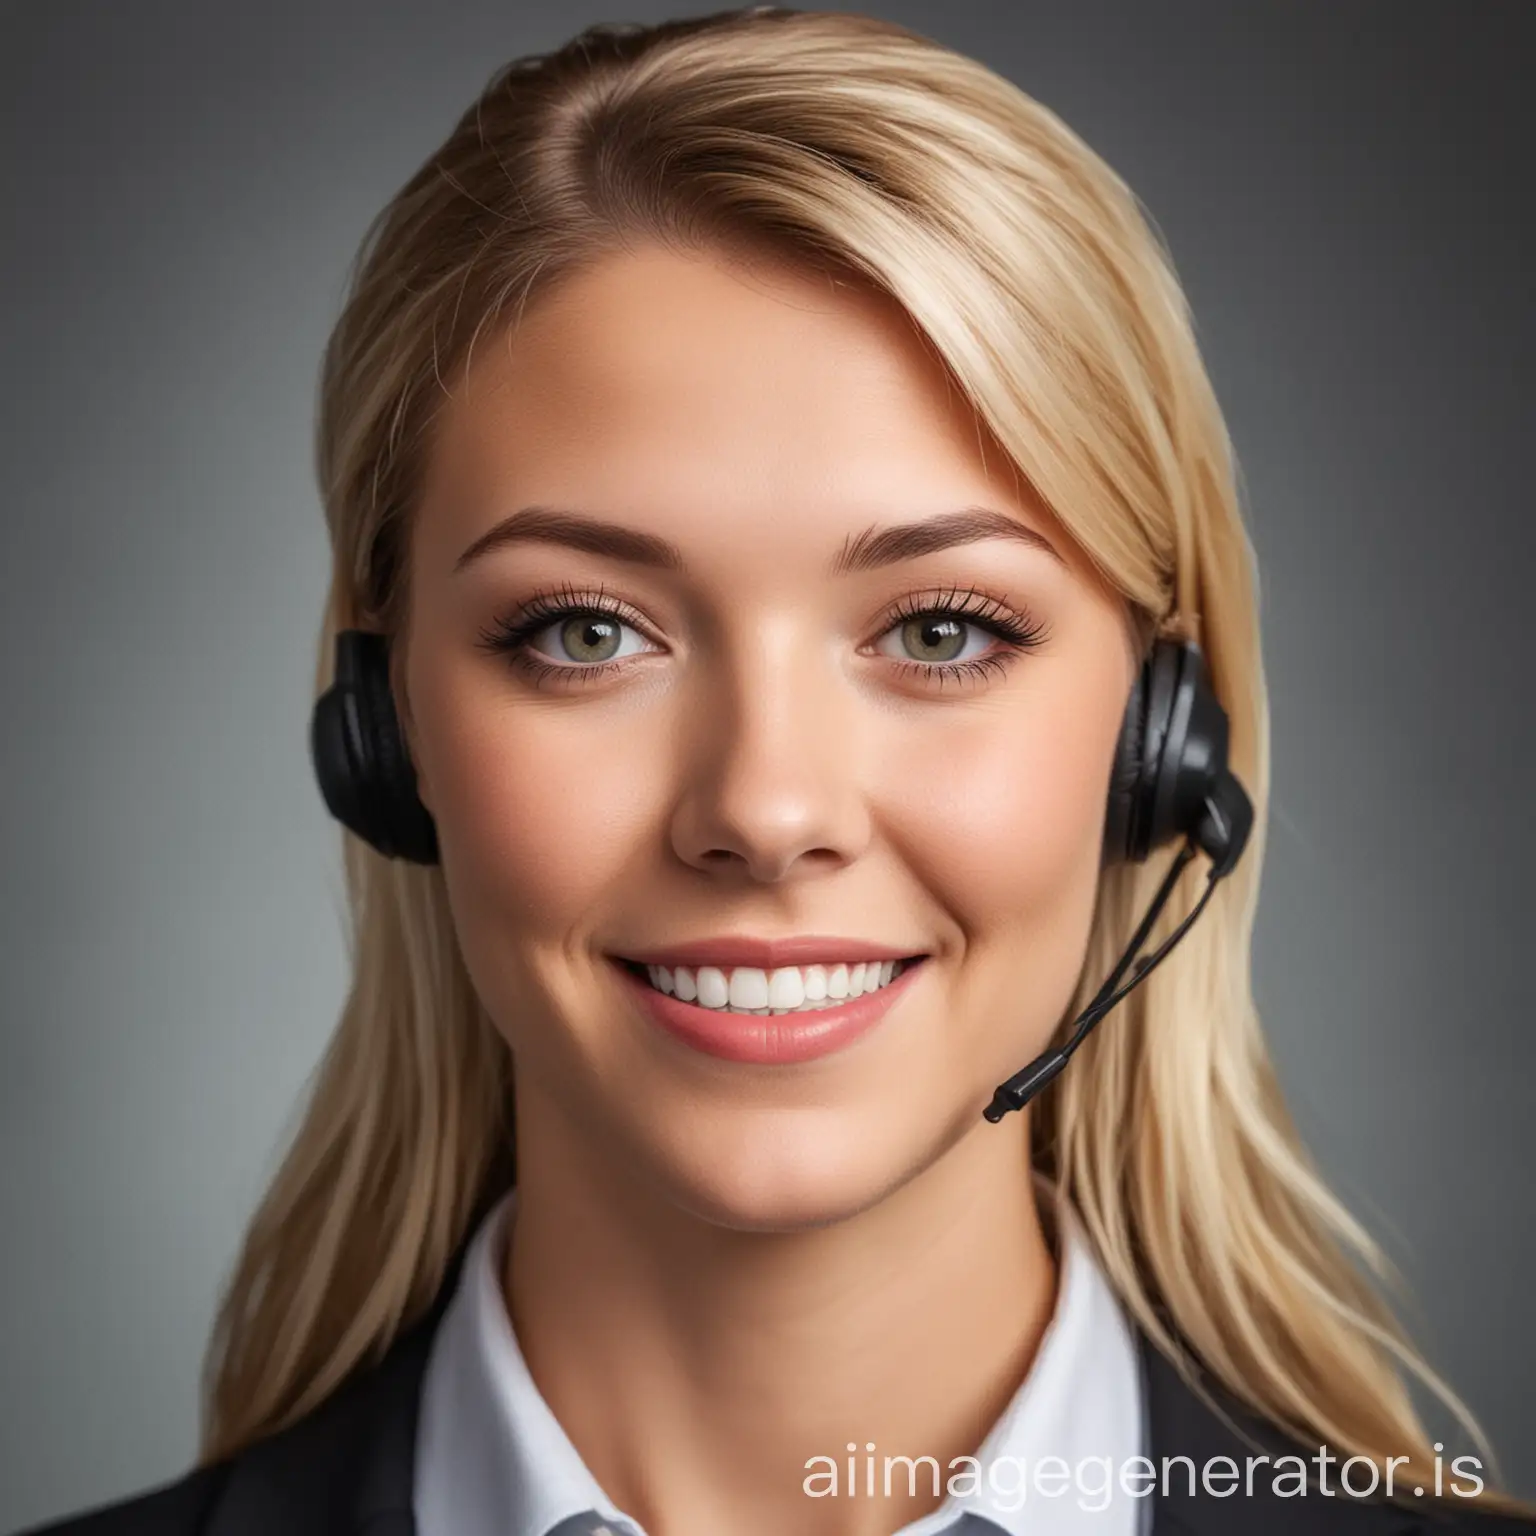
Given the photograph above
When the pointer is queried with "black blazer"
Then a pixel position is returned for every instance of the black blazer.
(347, 1469)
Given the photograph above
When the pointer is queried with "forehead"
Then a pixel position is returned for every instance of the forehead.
(660, 385)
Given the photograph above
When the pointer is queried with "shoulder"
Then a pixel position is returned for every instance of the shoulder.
(173, 1509)
(347, 1462)
(1229, 1461)
(296, 1482)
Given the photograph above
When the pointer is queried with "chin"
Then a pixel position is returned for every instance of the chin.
(790, 1170)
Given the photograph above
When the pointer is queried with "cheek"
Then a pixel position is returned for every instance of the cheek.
(539, 814)
(1004, 815)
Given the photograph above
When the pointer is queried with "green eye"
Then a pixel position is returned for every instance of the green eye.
(941, 638)
(590, 637)
(934, 639)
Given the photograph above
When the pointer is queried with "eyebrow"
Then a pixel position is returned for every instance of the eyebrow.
(870, 550)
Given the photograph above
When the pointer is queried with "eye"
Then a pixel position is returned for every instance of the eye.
(939, 637)
(571, 636)
(954, 635)
(566, 636)
(584, 639)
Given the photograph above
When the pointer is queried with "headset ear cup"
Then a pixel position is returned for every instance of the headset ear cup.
(404, 825)
(1125, 773)
(1194, 793)
(381, 729)
(360, 755)
(1172, 750)
(334, 743)
(1159, 747)
(1130, 830)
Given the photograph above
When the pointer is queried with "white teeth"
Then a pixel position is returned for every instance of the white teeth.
(713, 990)
(785, 989)
(790, 989)
(748, 989)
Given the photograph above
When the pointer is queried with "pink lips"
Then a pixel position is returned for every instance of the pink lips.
(773, 1039)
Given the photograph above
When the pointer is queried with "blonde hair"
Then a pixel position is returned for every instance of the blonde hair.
(1034, 274)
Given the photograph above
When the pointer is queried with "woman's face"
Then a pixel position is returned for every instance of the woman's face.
(673, 680)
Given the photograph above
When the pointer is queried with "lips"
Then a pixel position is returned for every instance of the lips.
(766, 1039)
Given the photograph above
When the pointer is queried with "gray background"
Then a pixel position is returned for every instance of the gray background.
(1346, 191)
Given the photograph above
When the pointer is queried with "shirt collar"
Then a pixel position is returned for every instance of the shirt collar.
(1081, 1406)
(492, 1459)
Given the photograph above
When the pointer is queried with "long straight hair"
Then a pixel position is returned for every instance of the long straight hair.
(1034, 274)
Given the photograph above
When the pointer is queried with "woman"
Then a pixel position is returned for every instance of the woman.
(788, 565)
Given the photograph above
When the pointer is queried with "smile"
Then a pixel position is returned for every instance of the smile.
(776, 1017)
(788, 989)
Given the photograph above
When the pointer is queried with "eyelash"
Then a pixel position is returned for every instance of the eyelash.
(511, 634)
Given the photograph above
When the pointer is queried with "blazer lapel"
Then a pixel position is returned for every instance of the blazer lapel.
(1180, 1423)
(350, 1465)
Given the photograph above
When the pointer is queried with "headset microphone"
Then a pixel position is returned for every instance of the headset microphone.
(1170, 779)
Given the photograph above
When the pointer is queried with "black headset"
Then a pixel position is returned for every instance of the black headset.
(1169, 780)
(361, 758)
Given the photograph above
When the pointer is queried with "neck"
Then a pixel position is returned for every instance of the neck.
(698, 1369)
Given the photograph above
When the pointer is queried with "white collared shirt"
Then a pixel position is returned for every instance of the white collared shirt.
(492, 1459)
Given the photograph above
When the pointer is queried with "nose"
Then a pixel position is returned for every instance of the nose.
(773, 754)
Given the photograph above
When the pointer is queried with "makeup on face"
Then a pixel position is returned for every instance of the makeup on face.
(786, 1016)
(813, 995)
(764, 720)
